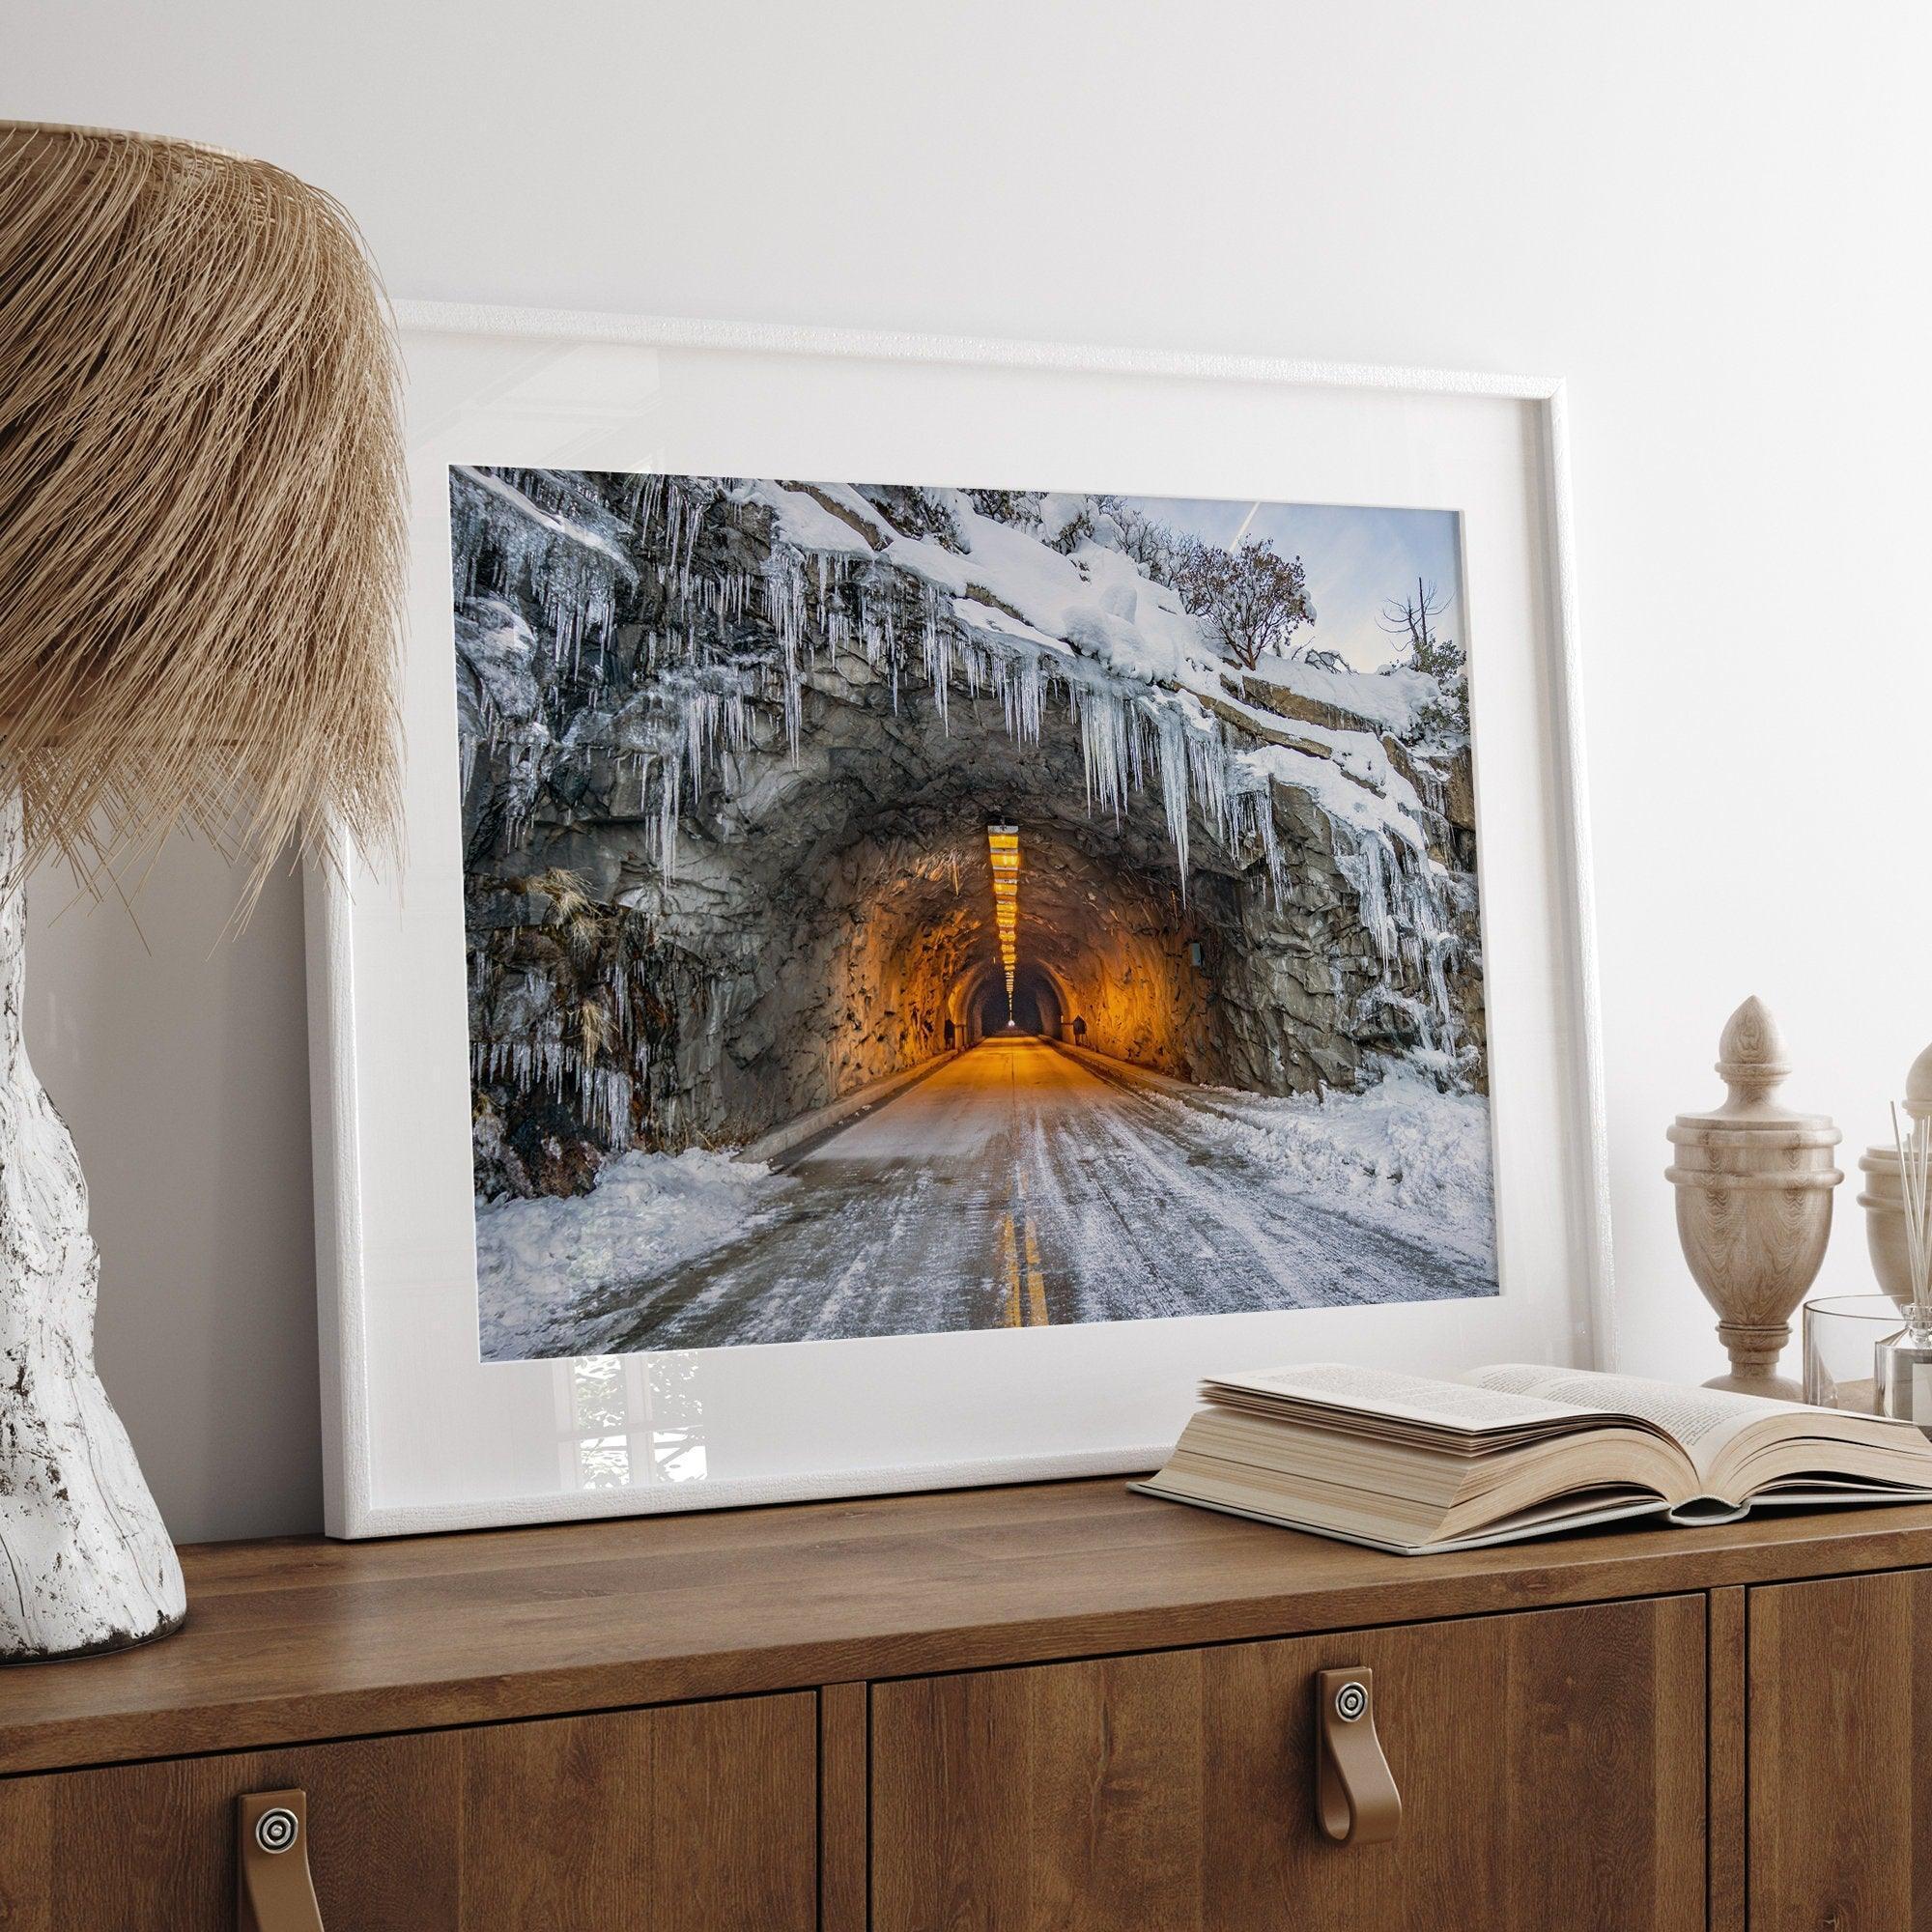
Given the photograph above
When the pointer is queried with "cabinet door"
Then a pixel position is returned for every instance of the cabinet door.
(693, 1818)
(1550, 1766)
(1839, 1739)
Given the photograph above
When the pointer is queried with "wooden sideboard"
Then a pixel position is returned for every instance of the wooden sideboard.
(999, 1710)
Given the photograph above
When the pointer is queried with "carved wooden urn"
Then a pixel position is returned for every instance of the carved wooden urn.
(1883, 1199)
(1754, 1182)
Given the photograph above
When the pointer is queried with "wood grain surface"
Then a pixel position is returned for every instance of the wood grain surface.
(1725, 1781)
(699, 1818)
(1841, 1736)
(1550, 1766)
(300, 1640)
(845, 1804)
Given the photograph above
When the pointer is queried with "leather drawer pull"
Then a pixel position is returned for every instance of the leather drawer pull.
(1356, 1799)
(273, 1890)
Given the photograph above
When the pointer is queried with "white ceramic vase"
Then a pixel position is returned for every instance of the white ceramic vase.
(85, 1561)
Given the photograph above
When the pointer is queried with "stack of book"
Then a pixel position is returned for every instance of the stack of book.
(1416, 1466)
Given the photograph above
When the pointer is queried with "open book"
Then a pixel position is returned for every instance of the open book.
(1411, 1465)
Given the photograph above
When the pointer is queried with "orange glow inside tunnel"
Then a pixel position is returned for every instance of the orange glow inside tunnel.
(1003, 854)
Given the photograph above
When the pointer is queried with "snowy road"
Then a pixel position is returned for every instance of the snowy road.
(1017, 1186)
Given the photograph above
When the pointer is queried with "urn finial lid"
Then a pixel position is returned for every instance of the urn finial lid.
(1918, 1087)
(1753, 1065)
(1751, 1061)
(1882, 1156)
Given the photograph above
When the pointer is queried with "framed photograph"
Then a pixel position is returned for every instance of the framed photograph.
(951, 889)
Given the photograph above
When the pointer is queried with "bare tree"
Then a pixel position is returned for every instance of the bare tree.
(1441, 658)
(1414, 618)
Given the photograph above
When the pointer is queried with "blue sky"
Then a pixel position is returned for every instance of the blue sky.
(1355, 561)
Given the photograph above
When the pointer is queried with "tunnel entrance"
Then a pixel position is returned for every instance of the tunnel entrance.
(832, 923)
(863, 916)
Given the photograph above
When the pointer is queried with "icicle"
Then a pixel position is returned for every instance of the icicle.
(600, 1094)
(1104, 747)
(1403, 914)
(562, 542)
(1174, 789)
(665, 844)
(784, 610)
(936, 658)
(1021, 687)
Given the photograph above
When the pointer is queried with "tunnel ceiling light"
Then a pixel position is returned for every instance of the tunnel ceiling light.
(1003, 854)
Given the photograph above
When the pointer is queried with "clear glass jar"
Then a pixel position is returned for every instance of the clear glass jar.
(1841, 1336)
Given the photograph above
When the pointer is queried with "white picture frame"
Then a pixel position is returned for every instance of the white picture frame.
(420, 1434)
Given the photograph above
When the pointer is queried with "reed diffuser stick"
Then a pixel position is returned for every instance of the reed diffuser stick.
(1913, 1139)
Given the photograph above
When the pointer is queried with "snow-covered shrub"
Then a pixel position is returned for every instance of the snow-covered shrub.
(1064, 522)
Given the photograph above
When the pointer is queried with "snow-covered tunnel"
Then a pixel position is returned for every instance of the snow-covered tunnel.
(748, 875)
(831, 919)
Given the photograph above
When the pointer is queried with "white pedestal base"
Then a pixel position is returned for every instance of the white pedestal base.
(85, 1562)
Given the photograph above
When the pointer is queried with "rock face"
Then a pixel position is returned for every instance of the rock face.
(730, 754)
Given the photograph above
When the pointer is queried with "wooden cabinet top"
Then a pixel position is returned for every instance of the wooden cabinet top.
(303, 1639)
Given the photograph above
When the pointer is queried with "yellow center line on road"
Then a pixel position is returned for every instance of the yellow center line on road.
(1036, 1275)
(1035, 1280)
(1010, 1267)
(1025, 1286)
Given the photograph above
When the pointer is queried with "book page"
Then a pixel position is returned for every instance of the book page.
(1460, 1405)
(1577, 1512)
(1703, 1421)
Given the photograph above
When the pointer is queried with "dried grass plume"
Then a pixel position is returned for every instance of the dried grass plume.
(202, 522)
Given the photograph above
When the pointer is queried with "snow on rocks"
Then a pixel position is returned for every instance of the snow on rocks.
(1393, 698)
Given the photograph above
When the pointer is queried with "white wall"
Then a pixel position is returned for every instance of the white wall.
(1709, 214)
